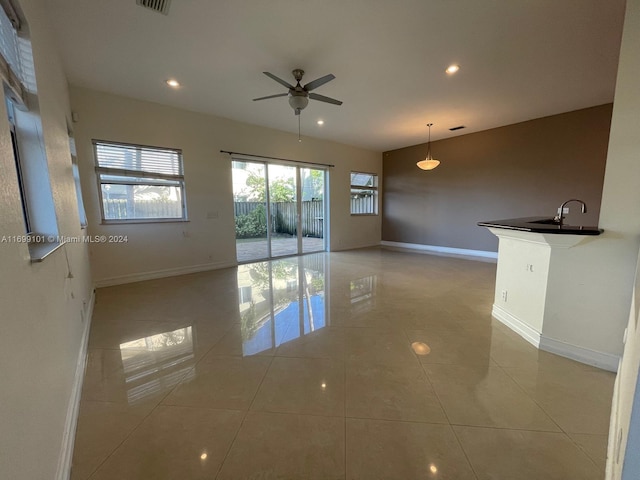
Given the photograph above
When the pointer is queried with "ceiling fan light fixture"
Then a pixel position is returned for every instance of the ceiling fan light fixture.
(298, 102)
(429, 163)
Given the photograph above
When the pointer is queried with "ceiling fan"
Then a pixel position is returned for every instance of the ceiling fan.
(299, 95)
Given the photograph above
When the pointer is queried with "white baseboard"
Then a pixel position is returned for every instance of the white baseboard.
(439, 249)
(169, 272)
(606, 361)
(354, 247)
(69, 434)
(530, 334)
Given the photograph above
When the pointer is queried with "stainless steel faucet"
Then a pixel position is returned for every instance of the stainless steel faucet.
(559, 218)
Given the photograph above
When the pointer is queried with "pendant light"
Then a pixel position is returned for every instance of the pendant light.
(428, 163)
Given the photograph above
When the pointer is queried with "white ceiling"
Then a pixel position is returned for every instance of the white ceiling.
(520, 59)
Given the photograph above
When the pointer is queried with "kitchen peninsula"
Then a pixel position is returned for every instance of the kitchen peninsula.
(532, 276)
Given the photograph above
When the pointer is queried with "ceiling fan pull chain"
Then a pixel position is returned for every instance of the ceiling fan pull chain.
(299, 139)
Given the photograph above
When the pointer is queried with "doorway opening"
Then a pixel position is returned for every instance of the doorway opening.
(280, 209)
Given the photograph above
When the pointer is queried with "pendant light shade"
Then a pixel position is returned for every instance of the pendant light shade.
(428, 163)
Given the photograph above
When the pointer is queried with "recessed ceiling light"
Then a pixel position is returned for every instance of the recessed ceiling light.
(451, 69)
(172, 83)
(320, 122)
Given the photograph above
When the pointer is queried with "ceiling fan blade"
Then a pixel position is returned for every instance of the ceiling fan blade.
(322, 98)
(279, 80)
(271, 96)
(318, 81)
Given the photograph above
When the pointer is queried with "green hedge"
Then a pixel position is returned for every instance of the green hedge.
(253, 224)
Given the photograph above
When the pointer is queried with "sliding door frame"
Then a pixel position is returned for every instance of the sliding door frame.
(298, 165)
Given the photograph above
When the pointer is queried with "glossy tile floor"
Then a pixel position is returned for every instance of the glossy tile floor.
(369, 364)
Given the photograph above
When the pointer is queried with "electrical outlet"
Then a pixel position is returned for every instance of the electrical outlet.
(504, 296)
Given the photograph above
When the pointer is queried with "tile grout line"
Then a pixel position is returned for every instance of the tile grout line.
(466, 455)
(506, 372)
(584, 450)
(164, 397)
(246, 413)
(139, 424)
(562, 430)
(435, 392)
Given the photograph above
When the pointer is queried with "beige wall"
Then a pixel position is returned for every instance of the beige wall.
(41, 305)
(201, 243)
(526, 169)
(621, 214)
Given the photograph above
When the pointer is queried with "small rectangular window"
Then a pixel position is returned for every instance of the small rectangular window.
(138, 183)
(364, 193)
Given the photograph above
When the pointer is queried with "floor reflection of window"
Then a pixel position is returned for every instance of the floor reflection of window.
(156, 363)
(291, 301)
(362, 293)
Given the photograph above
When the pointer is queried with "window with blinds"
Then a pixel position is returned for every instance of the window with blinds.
(11, 63)
(139, 183)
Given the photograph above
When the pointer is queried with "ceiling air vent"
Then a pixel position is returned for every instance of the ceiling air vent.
(160, 6)
(453, 129)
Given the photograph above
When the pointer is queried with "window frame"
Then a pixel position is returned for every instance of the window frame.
(19, 168)
(75, 171)
(148, 179)
(374, 188)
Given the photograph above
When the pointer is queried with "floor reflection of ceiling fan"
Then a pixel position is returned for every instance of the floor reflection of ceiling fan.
(299, 95)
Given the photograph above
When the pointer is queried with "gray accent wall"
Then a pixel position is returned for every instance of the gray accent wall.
(520, 170)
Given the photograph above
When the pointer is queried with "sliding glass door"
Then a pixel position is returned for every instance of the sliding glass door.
(312, 209)
(279, 209)
(283, 211)
(250, 210)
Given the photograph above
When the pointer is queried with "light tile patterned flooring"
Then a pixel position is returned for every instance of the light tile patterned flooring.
(304, 368)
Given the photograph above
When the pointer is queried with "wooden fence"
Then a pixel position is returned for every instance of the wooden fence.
(120, 209)
(363, 205)
(284, 215)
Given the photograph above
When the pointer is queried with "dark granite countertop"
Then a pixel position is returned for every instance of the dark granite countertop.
(541, 225)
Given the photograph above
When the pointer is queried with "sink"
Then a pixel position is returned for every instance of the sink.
(546, 221)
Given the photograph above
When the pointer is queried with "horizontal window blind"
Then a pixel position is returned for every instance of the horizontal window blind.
(136, 159)
(139, 183)
(11, 68)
